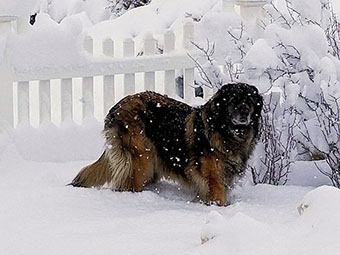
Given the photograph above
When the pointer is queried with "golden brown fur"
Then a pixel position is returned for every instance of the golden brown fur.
(150, 136)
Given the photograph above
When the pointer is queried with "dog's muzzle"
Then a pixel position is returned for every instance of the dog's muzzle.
(242, 118)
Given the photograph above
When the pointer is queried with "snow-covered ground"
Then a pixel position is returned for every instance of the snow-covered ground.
(41, 215)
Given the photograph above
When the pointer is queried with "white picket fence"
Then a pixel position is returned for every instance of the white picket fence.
(55, 96)
(135, 70)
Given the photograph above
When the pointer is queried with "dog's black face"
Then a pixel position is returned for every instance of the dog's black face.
(238, 106)
(240, 113)
(243, 103)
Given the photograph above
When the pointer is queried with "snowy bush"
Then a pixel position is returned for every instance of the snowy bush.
(305, 71)
(297, 57)
(325, 140)
(274, 153)
(119, 7)
(209, 73)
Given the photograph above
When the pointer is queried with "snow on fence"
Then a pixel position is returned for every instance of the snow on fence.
(17, 106)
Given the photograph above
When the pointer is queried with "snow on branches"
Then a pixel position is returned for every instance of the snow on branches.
(119, 7)
(297, 58)
(312, 64)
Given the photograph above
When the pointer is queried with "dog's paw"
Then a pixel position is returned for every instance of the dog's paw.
(215, 203)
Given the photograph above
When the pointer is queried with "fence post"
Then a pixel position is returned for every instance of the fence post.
(207, 92)
(23, 102)
(88, 45)
(87, 99)
(7, 78)
(22, 24)
(129, 79)
(169, 75)
(188, 82)
(66, 99)
(252, 11)
(6, 95)
(87, 84)
(149, 50)
(188, 74)
(44, 101)
(229, 5)
(108, 80)
(188, 34)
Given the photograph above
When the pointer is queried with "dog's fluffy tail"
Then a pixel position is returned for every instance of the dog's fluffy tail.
(113, 168)
(94, 175)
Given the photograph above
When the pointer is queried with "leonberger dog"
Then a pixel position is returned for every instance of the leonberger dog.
(150, 136)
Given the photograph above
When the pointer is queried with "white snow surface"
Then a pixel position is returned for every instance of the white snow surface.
(63, 41)
(17, 7)
(41, 215)
(69, 21)
(49, 44)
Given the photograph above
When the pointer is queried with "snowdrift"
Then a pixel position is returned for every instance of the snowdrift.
(315, 231)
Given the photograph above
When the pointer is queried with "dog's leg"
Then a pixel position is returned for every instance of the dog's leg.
(142, 161)
(208, 180)
(217, 191)
(142, 172)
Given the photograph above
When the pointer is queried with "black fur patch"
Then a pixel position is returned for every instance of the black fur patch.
(165, 126)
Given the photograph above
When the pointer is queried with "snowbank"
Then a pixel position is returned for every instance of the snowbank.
(210, 22)
(49, 143)
(63, 42)
(154, 18)
(320, 205)
(49, 44)
(17, 7)
(41, 215)
(316, 231)
(59, 9)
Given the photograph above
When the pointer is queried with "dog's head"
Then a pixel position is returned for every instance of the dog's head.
(238, 104)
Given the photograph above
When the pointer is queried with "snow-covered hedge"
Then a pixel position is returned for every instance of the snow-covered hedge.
(96, 10)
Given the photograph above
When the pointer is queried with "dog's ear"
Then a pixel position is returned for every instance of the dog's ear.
(218, 103)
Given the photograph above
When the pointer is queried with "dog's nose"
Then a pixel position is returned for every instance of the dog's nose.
(244, 113)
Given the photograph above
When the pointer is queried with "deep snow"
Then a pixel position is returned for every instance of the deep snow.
(41, 215)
